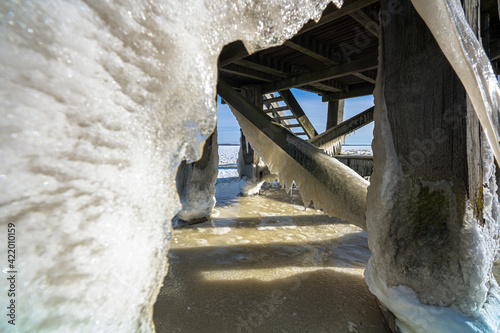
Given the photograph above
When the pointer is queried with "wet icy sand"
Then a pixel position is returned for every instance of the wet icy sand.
(267, 265)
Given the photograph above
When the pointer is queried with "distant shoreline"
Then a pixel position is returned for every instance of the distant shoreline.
(348, 145)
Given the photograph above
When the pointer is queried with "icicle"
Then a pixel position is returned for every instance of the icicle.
(344, 196)
(334, 147)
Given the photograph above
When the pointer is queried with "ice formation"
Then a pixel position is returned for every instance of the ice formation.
(252, 171)
(196, 183)
(447, 22)
(334, 147)
(334, 197)
(100, 103)
(363, 165)
(463, 294)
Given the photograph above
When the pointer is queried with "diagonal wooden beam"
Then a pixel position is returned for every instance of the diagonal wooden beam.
(315, 50)
(366, 22)
(298, 113)
(247, 72)
(319, 166)
(259, 67)
(363, 89)
(322, 75)
(344, 128)
(346, 9)
(367, 77)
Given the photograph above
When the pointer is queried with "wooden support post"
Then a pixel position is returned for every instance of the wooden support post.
(196, 183)
(335, 113)
(247, 158)
(250, 167)
(426, 198)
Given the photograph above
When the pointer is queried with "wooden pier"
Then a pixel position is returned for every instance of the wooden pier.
(428, 171)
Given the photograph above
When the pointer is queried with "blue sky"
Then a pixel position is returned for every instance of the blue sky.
(229, 131)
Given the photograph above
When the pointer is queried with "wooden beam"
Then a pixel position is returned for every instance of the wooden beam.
(362, 164)
(272, 100)
(335, 113)
(236, 50)
(306, 155)
(365, 77)
(298, 113)
(365, 20)
(232, 52)
(259, 67)
(278, 109)
(248, 72)
(284, 117)
(356, 91)
(272, 66)
(334, 86)
(346, 9)
(344, 128)
(315, 50)
(322, 75)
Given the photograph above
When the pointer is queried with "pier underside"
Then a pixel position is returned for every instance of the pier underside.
(429, 183)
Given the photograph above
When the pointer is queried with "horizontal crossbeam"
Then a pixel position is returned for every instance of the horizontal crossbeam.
(322, 75)
(363, 89)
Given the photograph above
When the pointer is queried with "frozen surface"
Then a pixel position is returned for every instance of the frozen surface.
(357, 150)
(100, 101)
(267, 264)
(228, 157)
(464, 296)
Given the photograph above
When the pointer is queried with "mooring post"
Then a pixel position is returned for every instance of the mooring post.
(431, 223)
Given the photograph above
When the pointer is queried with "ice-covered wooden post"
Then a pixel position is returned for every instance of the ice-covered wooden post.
(251, 170)
(432, 215)
(196, 183)
(335, 113)
(335, 116)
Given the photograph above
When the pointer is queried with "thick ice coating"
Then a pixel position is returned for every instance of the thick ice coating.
(348, 199)
(468, 297)
(100, 102)
(196, 183)
(447, 22)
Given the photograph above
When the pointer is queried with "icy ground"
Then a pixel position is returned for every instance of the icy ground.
(266, 264)
(357, 150)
